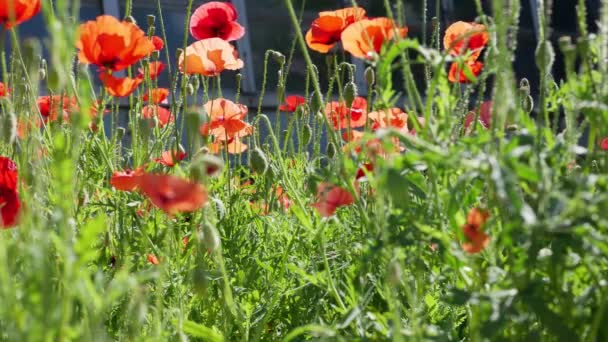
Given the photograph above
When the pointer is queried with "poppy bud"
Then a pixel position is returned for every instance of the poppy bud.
(306, 134)
(527, 104)
(151, 18)
(565, 43)
(370, 76)
(316, 102)
(583, 46)
(189, 89)
(258, 161)
(350, 92)
(179, 52)
(524, 87)
(151, 31)
(205, 165)
(41, 74)
(331, 150)
(545, 56)
(155, 54)
(278, 57)
(131, 20)
(120, 133)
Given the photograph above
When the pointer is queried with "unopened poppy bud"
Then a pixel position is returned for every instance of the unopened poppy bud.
(155, 54)
(179, 52)
(195, 82)
(239, 78)
(527, 104)
(545, 56)
(278, 57)
(306, 135)
(565, 43)
(258, 161)
(41, 74)
(524, 87)
(316, 103)
(331, 150)
(151, 31)
(151, 18)
(370, 76)
(350, 92)
(120, 133)
(583, 46)
(189, 89)
(131, 20)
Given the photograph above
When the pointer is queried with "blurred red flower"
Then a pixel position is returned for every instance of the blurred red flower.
(163, 115)
(604, 144)
(15, 12)
(331, 197)
(158, 43)
(153, 259)
(485, 116)
(119, 87)
(292, 102)
(156, 95)
(477, 240)
(461, 37)
(216, 19)
(9, 198)
(127, 180)
(325, 31)
(170, 158)
(343, 117)
(155, 68)
(4, 91)
(458, 75)
(173, 194)
(51, 106)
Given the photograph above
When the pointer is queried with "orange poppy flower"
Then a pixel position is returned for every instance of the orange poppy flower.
(153, 259)
(170, 158)
(366, 37)
(4, 91)
(233, 145)
(343, 117)
(461, 37)
(127, 180)
(292, 102)
(209, 57)
(155, 68)
(112, 44)
(458, 75)
(156, 96)
(325, 31)
(163, 115)
(51, 106)
(393, 117)
(173, 194)
(331, 197)
(477, 239)
(226, 120)
(15, 12)
(119, 87)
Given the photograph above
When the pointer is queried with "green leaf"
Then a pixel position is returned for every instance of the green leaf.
(201, 331)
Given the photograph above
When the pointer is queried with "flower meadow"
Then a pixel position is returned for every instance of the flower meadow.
(456, 204)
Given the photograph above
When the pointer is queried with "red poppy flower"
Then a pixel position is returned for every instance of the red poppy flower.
(477, 240)
(604, 144)
(173, 194)
(458, 75)
(155, 68)
(485, 116)
(127, 180)
(153, 259)
(225, 120)
(170, 158)
(461, 37)
(216, 19)
(209, 57)
(4, 91)
(364, 170)
(51, 106)
(9, 198)
(163, 115)
(112, 44)
(119, 87)
(325, 31)
(393, 117)
(331, 197)
(233, 145)
(292, 102)
(158, 43)
(156, 96)
(366, 37)
(343, 117)
(15, 12)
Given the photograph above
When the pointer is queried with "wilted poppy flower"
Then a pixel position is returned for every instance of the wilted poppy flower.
(477, 240)
(15, 12)
(170, 158)
(119, 87)
(325, 31)
(225, 120)
(331, 197)
(158, 43)
(461, 37)
(209, 57)
(9, 198)
(173, 194)
(216, 19)
(153, 259)
(485, 116)
(112, 44)
(156, 96)
(155, 68)
(366, 37)
(343, 117)
(127, 180)
(51, 106)
(458, 75)
(163, 115)
(393, 117)
(604, 144)
(292, 102)
(4, 91)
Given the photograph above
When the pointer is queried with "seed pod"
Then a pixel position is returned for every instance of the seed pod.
(151, 18)
(278, 57)
(316, 102)
(350, 92)
(370, 76)
(306, 135)
(258, 161)
(331, 150)
(545, 56)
